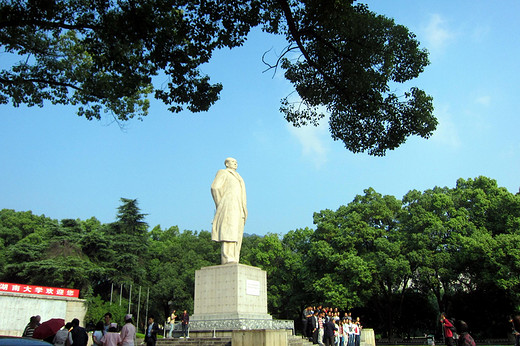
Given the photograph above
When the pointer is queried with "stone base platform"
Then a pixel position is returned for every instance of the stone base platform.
(232, 297)
(230, 291)
(240, 338)
(231, 304)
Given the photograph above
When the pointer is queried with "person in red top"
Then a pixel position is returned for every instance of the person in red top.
(448, 333)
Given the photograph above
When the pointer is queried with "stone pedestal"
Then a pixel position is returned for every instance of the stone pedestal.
(230, 297)
(259, 337)
(367, 337)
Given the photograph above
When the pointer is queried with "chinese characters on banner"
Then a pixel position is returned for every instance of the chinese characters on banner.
(39, 290)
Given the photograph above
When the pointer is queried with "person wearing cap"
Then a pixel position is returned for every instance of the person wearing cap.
(128, 332)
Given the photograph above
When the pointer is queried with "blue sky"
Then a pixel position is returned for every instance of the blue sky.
(63, 166)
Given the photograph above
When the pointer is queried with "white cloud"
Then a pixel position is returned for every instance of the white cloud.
(446, 132)
(484, 100)
(313, 141)
(480, 33)
(437, 33)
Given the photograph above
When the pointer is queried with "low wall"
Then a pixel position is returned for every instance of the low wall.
(17, 309)
(259, 337)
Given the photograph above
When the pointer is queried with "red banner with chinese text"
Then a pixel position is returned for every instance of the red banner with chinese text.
(39, 290)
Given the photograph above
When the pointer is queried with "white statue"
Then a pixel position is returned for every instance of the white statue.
(229, 193)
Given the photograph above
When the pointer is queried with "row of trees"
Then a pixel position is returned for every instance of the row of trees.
(396, 263)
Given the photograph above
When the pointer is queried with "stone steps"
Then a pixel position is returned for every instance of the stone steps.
(194, 342)
(297, 340)
(291, 341)
(367, 339)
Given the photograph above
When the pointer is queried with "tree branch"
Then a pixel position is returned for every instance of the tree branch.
(45, 24)
(51, 83)
(285, 51)
(296, 35)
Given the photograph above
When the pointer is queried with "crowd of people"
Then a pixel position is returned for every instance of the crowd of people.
(105, 333)
(326, 326)
(71, 333)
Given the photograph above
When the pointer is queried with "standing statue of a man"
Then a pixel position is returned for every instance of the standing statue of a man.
(229, 193)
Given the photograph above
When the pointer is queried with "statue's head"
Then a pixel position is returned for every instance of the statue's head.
(231, 163)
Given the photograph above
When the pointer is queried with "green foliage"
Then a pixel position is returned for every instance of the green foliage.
(102, 57)
(349, 59)
(97, 308)
(397, 263)
(361, 257)
(16, 225)
(175, 257)
(128, 242)
(130, 219)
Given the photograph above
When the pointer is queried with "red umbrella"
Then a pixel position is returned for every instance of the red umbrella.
(48, 328)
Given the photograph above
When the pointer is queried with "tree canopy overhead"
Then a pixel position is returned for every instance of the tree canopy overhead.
(101, 56)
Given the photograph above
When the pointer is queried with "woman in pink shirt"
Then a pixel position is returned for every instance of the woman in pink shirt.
(112, 337)
(128, 332)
